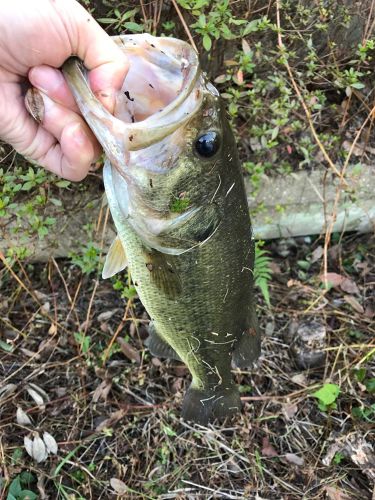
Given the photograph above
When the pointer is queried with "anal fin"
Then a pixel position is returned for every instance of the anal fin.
(247, 349)
(158, 346)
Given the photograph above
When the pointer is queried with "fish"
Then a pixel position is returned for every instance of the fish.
(176, 193)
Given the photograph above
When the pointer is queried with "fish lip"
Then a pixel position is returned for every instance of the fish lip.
(138, 135)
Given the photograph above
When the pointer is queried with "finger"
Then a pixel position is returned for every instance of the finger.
(53, 84)
(55, 118)
(78, 146)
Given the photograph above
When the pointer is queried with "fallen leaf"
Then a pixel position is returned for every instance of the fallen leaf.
(299, 379)
(335, 493)
(245, 46)
(267, 449)
(289, 410)
(36, 448)
(119, 486)
(102, 391)
(111, 420)
(354, 303)
(294, 459)
(7, 390)
(106, 315)
(36, 397)
(317, 254)
(129, 351)
(22, 417)
(50, 443)
(347, 285)
(333, 279)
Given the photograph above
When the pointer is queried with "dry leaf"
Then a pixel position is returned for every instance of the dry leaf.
(36, 397)
(294, 459)
(245, 47)
(317, 254)
(45, 308)
(354, 303)
(348, 286)
(129, 351)
(22, 417)
(111, 420)
(106, 315)
(267, 449)
(119, 486)
(50, 443)
(333, 279)
(335, 494)
(36, 448)
(289, 410)
(101, 392)
(7, 390)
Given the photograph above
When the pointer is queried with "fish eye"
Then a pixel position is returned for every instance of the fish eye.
(207, 144)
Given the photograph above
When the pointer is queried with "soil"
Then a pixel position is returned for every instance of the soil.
(115, 415)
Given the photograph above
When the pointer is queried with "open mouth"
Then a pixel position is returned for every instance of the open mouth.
(162, 74)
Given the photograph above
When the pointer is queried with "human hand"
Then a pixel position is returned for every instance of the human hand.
(35, 39)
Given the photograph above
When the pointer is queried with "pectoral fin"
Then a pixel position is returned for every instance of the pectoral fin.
(163, 274)
(116, 259)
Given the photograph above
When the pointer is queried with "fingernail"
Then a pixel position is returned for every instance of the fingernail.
(79, 135)
(34, 104)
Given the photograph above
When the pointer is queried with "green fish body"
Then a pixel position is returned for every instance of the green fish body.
(176, 193)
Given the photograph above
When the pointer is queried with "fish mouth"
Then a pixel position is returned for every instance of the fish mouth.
(160, 93)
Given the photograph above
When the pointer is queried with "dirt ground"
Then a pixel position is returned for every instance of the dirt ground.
(115, 412)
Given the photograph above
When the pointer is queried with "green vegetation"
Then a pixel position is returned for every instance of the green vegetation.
(81, 339)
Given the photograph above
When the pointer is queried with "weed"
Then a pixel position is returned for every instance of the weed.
(327, 396)
(262, 270)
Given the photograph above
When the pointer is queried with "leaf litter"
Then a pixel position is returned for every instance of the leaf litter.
(118, 424)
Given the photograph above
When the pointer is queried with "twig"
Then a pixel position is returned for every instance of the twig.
(183, 22)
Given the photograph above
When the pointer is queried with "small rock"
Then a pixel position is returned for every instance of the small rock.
(307, 344)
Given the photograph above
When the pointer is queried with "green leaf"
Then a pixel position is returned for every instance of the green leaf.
(327, 394)
(63, 184)
(132, 26)
(207, 43)
(357, 85)
(15, 487)
(6, 347)
(168, 431)
(370, 385)
(27, 495)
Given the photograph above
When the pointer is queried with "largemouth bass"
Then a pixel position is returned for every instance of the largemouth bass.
(177, 198)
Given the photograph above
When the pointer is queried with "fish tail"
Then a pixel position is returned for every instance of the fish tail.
(158, 346)
(247, 350)
(202, 406)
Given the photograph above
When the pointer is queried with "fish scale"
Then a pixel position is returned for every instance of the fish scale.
(191, 265)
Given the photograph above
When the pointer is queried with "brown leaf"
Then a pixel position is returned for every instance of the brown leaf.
(347, 285)
(333, 279)
(289, 410)
(317, 254)
(111, 420)
(294, 459)
(118, 485)
(335, 494)
(102, 391)
(267, 449)
(354, 303)
(129, 351)
(245, 47)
